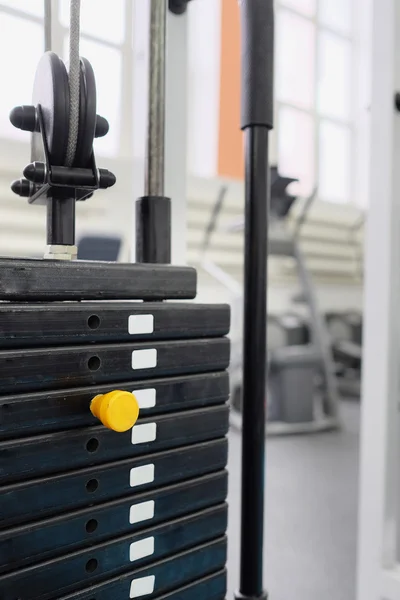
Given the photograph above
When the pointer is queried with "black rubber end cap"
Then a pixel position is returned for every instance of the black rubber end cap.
(106, 178)
(102, 127)
(21, 187)
(35, 172)
(24, 117)
(397, 101)
(178, 7)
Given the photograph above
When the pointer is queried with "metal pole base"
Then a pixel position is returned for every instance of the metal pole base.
(239, 596)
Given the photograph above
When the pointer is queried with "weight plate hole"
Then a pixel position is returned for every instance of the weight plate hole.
(92, 485)
(94, 322)
(91, 525)
(92, 445)
(94, 363)
(91, 565)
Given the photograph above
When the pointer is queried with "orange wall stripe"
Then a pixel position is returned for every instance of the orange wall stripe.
(230, 142)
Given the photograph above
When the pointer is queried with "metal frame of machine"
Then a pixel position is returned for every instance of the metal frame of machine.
(75, 472)
(379, 518)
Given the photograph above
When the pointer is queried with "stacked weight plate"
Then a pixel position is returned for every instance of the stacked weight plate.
(87, 513)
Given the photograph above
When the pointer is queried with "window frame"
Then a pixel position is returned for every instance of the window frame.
(318, 117)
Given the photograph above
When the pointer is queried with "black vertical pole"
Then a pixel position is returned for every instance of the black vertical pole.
(257, 29)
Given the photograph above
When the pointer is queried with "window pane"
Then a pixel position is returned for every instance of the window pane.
(295, 61)
(101, 18)
(306, 7)
(336, 14)
(106, 63)
(32, 7)
(334, 76)
(296, 149)
(334, 162)
(18, 71)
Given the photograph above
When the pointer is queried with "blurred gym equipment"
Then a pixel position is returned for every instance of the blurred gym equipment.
(302, 385)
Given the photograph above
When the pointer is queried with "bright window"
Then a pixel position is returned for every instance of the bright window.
(296, 149)
(99, 18)
(314, 87)
(295, 61)
(17, 74)
(337, 15)
(335, 162)
(305, 7)
(31, 7)
(334, 76)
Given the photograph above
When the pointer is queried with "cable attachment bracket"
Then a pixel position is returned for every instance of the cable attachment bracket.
(49, 179)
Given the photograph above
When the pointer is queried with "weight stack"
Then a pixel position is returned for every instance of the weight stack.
(87, 513)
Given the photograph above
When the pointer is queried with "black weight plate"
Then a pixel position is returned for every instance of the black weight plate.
(38, 279)
(45, 412)
(58, 324)
(48, 496)
(71, 571)
(73, 366)
(212, 587)
(22, 546)
(57, 452)
(51, 91)
(87, 115)
(163, 576)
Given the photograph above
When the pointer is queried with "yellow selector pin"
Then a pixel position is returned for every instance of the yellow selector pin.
(117, 410)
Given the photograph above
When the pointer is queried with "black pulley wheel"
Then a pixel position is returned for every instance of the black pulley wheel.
(51, 92)
(87, 115)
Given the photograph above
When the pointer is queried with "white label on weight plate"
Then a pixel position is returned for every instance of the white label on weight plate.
(140, 324)
(144, 433)
(146, 398)
(141, 549)
(142, 475)
(144, 359)
(141, 512)
(142, 586)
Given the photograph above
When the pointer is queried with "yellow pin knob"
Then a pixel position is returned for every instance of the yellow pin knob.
(117, 410)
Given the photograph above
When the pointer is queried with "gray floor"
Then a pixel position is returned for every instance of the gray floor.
(311, 513)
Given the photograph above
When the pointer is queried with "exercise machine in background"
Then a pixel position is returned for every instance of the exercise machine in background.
(302, 392)
(345, 331)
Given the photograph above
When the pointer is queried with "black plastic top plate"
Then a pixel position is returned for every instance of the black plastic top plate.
(60, 323)
(36, 279)
(69, 572)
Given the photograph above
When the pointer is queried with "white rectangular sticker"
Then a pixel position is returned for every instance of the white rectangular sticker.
(144, 433)
(142, 586)
(142, 475)
(146, 398)
(140, 324)
(141, 512)
(144, 359)
(141, 549)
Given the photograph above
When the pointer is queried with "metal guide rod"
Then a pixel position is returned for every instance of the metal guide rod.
(153, 210)
(257, 29)
(154, 184)
(47, 26)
